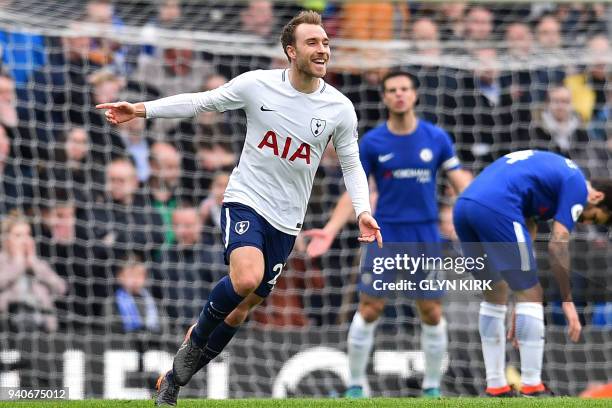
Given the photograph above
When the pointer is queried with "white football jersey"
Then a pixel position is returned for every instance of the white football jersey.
(287, 132)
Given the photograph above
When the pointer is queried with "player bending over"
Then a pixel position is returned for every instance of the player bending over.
(407, 211)
(292, 114)
(503, 205)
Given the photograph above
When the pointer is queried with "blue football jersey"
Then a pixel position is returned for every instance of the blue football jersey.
(405, 169)
(537, 184)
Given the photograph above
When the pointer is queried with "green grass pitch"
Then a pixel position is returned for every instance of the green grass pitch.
(559, 402)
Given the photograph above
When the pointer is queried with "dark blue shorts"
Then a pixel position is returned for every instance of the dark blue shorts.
(401, 238)
(242, 226)
(504, 239)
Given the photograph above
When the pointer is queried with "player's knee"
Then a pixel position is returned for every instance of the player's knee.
(245, 283)
(246, 275)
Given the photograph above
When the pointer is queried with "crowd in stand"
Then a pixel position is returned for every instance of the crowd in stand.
(117, 227)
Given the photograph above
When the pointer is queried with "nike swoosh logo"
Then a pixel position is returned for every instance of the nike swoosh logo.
(264, 109)
(385, 157)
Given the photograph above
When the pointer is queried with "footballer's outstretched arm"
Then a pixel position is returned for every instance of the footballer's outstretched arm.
(558, 249)
(227, 97)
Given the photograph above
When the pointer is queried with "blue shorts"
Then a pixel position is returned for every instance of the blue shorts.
(401, 238)
(242, 226)
(504, 239)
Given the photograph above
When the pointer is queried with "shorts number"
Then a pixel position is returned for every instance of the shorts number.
(518, 156)
(278, 268)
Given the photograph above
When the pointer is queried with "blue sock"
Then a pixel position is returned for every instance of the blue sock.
(222, 300)
(217, 341)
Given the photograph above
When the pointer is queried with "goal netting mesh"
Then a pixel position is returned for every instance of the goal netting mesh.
(123, 270)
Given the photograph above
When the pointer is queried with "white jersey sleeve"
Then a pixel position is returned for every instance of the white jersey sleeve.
(347, 148)
(227, 97)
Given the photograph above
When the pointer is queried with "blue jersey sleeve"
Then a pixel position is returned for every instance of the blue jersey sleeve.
(365, 155)
(448, 158)
(571, 201)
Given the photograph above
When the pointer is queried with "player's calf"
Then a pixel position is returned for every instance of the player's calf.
(222, 301)
(224, 333)
(434, 342)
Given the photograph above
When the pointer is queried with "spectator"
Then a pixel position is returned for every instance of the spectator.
(22, 51)
(430, 75)
(484, 125)
(382, 20)
(582, 20)
(519, 42)
(107, 143)
(601, 124)
(23, 141)
(71, 167)
(28, 285)
(16, 179)
(187, 269)
(258, 20)
(478, 26)
(588, 87)
(137, 143)
(133, 308)
(548, 35)
(210, 208)
(172, 70)
(426, 36)
(163, 186)
(169, 16)
(59, 88)
(62, 245)
(125, 222)
(549, 49)
(452, 20)
(122, 224)
(525, 82)
(257, 25)
(8, 113)
(104, 51)
(363, 89)
(558, 128)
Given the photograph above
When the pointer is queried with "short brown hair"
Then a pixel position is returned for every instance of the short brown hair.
(399, 73)
(288, 34)
(605, 186)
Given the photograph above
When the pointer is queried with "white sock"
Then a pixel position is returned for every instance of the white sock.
(433, 342)
(530, 336)
(360, 342)
(493, 338)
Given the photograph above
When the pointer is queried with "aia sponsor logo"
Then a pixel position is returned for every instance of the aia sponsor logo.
(290, 150)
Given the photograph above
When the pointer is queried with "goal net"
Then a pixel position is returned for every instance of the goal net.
(128, 250)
